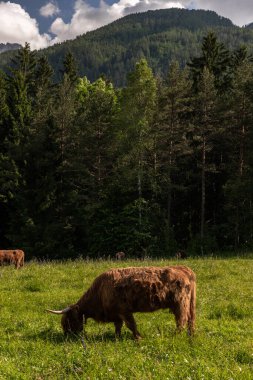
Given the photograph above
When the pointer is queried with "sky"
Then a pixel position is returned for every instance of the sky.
(45, 22)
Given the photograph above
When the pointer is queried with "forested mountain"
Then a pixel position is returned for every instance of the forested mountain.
(159, 36)
(8, 46)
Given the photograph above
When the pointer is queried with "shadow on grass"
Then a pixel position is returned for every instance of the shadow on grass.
(92, 339)
(49, 335)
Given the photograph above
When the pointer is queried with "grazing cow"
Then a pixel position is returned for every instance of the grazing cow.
(118, 293)
(181, 255)
(120, 255)
(16, 257)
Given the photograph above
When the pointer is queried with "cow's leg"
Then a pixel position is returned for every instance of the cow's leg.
(20, 263)
(181, 316)
(190, 327)
(131, 324)
(192, 310)
(118, 325)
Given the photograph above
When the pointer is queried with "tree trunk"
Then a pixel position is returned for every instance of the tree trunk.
(203, 195)
(169, 195)
(140, 193)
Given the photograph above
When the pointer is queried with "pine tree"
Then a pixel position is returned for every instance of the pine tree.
(3, 109)
(42, 165)
(98, 106)
(70, 67)
(172, 145)
(240, 56)
(20, 90)
(205, 121)
(216, 58)
(43, 91)
(138, 102)
(8, 172)
(63, 123)
(238, 192)
(9, 176)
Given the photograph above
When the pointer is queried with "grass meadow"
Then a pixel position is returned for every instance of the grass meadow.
(32, 345)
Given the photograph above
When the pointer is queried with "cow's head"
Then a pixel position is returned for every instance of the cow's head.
(72, 319)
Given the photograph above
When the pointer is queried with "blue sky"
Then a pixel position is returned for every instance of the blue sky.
(32, 7)
(45, 22)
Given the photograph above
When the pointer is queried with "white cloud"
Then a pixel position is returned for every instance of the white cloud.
(49, 10)
(16, 26)
(87, 17)
(240, 12)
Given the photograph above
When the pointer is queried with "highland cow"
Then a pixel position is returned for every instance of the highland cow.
(16, 257)
(181, 255)
(118, 293)
(120, 255)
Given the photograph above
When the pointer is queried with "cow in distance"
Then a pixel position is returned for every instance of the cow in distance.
(120, 255)
(12, 256)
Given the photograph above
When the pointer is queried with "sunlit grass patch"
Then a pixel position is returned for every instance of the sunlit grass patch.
(230, 311)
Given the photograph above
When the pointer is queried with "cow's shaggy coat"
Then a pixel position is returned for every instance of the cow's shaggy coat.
(118, 293)
(12, 256)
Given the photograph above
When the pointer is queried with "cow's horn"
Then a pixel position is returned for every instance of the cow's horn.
(64, 311)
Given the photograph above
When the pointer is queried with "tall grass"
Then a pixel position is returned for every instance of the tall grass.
(32, 345)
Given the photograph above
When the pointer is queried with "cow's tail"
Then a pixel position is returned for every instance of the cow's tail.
(192, 311)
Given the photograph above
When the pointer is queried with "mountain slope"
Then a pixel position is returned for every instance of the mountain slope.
(157, 35)
(8, 47)
(160, 36)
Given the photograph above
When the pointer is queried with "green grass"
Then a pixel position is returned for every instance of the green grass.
(32, 345)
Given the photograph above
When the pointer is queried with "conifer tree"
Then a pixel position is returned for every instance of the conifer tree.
(20, 89)
(70, 67)
(44, 90)
(9, 176)
(237, 189)
(205, 121)
(172, 145)
(138, 102)
(216, 58)
(98, 106)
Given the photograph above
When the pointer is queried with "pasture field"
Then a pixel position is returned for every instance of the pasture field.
(32, 345)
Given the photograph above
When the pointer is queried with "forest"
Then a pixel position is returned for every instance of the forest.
(149, 168)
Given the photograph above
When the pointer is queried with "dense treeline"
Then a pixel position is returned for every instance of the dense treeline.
(158, 36)
(154, 167)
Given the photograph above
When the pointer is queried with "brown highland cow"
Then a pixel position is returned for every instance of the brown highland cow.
(118, 293)
(16, 257)
(120, 255)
